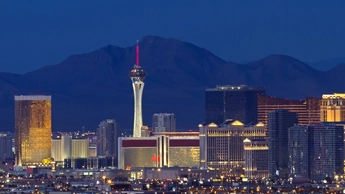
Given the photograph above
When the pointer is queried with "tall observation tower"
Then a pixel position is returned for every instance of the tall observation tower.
(137, 75)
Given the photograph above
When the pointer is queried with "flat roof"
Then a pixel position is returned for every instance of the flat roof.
(234, 88)
(333, 95)
(196, 133)
(32, 97)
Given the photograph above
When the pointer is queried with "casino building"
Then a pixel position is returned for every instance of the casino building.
(221, 146)
(161, 150)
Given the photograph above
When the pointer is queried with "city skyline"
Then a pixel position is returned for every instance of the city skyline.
(260, 125)
(223, 147)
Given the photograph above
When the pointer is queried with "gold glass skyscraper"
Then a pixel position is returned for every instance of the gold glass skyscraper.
(32, 129)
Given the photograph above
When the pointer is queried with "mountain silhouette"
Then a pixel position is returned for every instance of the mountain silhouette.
(88, 88)
(327, 64)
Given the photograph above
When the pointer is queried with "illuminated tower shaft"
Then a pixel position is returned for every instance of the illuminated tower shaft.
(137, 75)
(138, 87)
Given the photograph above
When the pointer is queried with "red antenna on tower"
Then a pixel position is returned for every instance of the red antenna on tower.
(137, 54)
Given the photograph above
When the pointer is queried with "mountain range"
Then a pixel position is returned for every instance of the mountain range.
(327, 64)
(88, 88)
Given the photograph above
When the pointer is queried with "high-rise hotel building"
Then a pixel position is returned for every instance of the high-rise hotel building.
(308, 110)
(301, 150)
(333, 108)
(221, 147)
(232, 102)
(6, 153)
(108, 134)
(164, 122)
(328, 150)
(279, 122)
(32, 129)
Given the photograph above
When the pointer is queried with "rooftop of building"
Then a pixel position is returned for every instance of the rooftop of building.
(257, 142)
(232, 122)
(164, 114)
(235, 88)
(342, 123)
(334, 95)
(176, 133)
(6, 134)
(72, 137)
(32, 97)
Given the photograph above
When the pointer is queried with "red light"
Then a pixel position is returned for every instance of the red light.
(154, 158)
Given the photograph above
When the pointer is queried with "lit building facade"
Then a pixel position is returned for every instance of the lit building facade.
(32, 129)
(108, 133)
(159, 151)
(256, 158)
(333, 108)
(164, 122)
(137, 75)
(80, 148)
(6, 153)
(138, 152)
(66, 147)
(232, 102)
(182, 151)
(328, 150)
(145, 131)
(308, 110)
(221, 147)
(279, 122)
(56, 151)
(301, 149)
(61, 147)
(93, 150)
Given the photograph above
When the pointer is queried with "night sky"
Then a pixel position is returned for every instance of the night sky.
(38, 33)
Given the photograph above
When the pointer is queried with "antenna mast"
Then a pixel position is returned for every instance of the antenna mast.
(137, 54)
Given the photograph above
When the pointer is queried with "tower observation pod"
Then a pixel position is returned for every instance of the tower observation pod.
(137, 75)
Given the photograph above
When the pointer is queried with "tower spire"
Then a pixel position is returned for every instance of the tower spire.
(137, 75)
(137, 54)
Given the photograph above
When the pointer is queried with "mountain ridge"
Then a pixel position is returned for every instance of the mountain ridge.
(91, 87)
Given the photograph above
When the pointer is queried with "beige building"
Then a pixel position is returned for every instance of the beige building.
(332, 107)
(32, 129)
(67, 147)
(80, 148)
(221, 147)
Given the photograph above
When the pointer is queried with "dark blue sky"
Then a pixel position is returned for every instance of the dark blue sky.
(38, 33)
